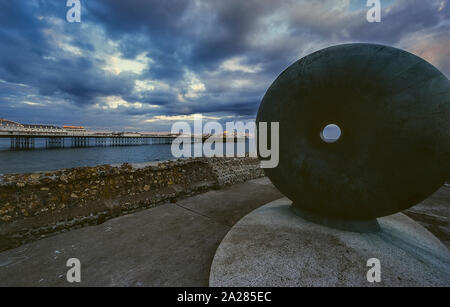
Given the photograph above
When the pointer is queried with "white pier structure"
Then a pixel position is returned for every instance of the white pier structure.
(23, 136)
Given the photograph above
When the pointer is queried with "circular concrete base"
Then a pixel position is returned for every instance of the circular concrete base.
(272, 246)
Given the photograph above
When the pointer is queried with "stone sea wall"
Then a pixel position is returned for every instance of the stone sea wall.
(36, 205)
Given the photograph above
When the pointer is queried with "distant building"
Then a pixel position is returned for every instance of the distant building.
(6, 123)
(37, 126)
(74, 128)
(9, 123)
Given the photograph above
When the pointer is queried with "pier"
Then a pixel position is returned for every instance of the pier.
(27, 141)
(24, 136)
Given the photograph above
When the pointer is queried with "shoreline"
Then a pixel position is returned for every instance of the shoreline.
(136, 165)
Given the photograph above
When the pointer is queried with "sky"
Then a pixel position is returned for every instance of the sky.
(141, 65)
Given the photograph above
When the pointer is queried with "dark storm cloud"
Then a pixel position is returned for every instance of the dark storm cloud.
(29, 57)
(138, 59)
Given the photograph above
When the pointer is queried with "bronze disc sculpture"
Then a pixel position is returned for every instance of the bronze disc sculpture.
(393, 112)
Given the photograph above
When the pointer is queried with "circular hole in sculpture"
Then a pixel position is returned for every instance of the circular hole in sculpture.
(331, 133)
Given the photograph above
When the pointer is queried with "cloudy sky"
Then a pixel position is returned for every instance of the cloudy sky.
(143, 64)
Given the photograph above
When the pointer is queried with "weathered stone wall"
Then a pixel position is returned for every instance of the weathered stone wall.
(38, 204)
(233, 171)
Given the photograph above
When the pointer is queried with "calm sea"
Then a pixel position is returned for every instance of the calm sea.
(41, 159)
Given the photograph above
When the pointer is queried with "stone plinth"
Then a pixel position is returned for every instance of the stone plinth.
(272, 246)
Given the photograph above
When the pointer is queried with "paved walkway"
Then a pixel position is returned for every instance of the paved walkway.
(170, 245)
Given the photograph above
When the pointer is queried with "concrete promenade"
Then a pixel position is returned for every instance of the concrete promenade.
(170, 245)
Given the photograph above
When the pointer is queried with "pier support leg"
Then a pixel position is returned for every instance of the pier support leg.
(78, 141)
(22, 143)
(54, 142)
